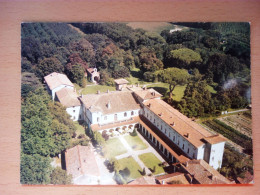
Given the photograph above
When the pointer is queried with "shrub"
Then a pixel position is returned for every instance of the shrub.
(134, 133)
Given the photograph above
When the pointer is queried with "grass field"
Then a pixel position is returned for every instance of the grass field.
(114, 147)
(163, 88)
(135, 142)
(80, 128)
(133, 167)
(150, 160)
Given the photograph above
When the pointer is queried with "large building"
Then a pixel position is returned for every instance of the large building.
(178, 138)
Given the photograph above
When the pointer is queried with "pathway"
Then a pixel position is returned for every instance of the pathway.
(136, 153)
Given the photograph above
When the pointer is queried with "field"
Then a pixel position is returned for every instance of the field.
(240, 122)
(151, 162)
(135, 142)
(114, 147)
(132, 166)
(156, 27)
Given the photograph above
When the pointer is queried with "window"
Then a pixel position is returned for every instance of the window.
(213, 158)
(178, 142)
(79, 116)
(97, 119)
(132, 113)
(125, 114)
(173, 138)
(154, 120)
(73, 110)
(183, 146)
(105, 118)
(169, 134)
(188, 150)
(193, 155)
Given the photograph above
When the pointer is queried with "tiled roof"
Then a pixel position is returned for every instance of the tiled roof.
(145, 180)
(177, 176)
(204, 173)
(147, 94)
(80, 160)
(188, 129)
(90, 70)
(121, 81)
(55, 79)
(68, 97)
(214, 139)
(109, 103)
(248, 179)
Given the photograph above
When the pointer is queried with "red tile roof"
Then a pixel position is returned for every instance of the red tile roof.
(68, 97)
(55, 79)
(80, 160)
(145, 180)
(188, 129)
(203, 173)
(121, 81)
(118, 101)
(177, 176)
(148, 94)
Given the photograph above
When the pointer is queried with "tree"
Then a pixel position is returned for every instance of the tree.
(59, 176)
(120, 72)
(34, 169)
(175, 76)
(184, 58)
(98, 138)
(49, 65)
(76, 74)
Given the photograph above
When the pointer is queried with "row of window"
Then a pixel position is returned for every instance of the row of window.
(156, 122)
(115, 116)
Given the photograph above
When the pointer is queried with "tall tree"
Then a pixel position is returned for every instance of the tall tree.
(175, 76)
(49, 65)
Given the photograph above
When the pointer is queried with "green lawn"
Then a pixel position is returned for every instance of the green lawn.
(95, 88)
(135, 142)
(150, 160)
(80, 128)
(163, 88)
(114, 147)
(133, 167)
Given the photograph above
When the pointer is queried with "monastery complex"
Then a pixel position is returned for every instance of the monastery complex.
(179, 139)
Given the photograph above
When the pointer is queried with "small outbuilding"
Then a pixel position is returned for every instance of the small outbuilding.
(93, 74)
(120, 84)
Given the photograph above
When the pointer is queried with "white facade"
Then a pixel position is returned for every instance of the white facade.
(75, 112)
(216, 155)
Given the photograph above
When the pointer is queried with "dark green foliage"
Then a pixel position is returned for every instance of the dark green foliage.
(120, 72)
(35, 169)
(48, 66)
(235, 164)
(59, 176)
(197, 100)
(76, 74)
(29, 83)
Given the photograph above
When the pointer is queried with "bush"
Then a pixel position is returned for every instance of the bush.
(134, 133)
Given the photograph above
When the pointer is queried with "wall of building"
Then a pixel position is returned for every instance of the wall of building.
(173, 135)
(216, 155)
(75, 112)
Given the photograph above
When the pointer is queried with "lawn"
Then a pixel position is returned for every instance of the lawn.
(135, 142)
(80, 128)
(132, 166)
(114, 147)
(163, 88)
(150, 160)
(94, 88)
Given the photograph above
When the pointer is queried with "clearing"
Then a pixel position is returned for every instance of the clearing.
(135, 142)
(151, 162)
(114, 147)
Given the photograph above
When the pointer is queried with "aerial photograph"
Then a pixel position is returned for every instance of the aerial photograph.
(136, 103)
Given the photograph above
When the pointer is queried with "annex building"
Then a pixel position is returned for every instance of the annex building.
(178, 138)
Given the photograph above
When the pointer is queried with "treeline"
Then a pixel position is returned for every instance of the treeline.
(47, 130)
(218, 52)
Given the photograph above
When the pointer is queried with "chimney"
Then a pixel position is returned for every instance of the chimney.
(149, 105)
(98, 92)
(188, 135)
(137, 84)
(108, 91)
(160, 114)
(81, 95)
(144, 87)
(132, 86)
(172, 124)
(108, 105)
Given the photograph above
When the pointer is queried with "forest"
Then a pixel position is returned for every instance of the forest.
(202, 55)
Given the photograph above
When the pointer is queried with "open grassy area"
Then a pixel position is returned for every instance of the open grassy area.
(80, 128)
(133, 167)
(114, 147)
(94, 88)
(163, 88)
(150, 160)
(135, 142)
